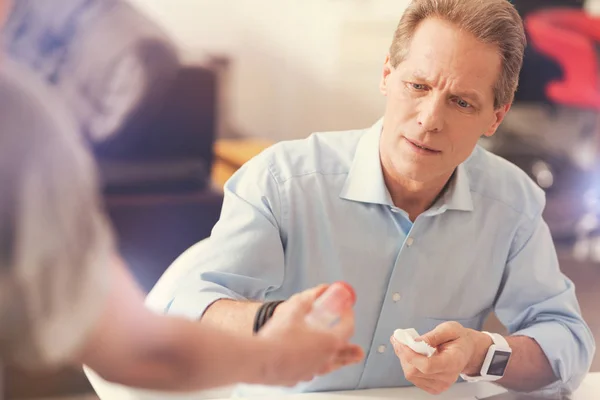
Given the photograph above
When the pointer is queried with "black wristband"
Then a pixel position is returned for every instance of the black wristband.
(263, 314)
(259, 318)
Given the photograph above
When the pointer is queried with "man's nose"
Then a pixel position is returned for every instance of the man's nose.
(431, 114)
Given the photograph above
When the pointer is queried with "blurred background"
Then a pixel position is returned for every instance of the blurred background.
(174, 95)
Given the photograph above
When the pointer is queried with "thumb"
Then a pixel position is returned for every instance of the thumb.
(443, 333)
(316, 292)
(301, 304)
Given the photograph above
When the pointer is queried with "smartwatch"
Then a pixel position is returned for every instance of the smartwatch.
(495, 362)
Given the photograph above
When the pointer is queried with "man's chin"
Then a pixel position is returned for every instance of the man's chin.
(413, 170)
(415, 174)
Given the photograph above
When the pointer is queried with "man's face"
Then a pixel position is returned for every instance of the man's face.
(441, 98)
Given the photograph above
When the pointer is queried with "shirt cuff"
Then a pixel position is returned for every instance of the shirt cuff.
(193, 305)
(554, 339)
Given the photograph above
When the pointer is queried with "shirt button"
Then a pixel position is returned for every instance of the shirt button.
(396, 297)
(381, 349)
(409, 241)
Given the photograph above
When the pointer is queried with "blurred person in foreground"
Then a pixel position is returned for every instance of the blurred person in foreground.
(433, 231)
(67, 298)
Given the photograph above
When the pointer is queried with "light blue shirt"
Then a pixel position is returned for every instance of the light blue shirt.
(317, 210)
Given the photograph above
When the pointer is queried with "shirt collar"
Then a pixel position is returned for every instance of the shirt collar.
(365, 182)
(457, 195)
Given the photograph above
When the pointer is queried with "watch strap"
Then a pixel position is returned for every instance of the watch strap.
(498, 340)
(499, 343)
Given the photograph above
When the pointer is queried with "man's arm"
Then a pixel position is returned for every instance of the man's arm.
(234, 316)
(527, 356)
(538, 305)
(133, 346)
(243, 260)
(552, 347)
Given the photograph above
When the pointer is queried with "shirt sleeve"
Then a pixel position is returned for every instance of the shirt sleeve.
(56, 237)
(538, 301)
(244, 258)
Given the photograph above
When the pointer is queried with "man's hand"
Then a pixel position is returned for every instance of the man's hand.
(298, 352)
(459, 350)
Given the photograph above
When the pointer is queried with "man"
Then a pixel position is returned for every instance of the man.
(432, 231)
(67, 298)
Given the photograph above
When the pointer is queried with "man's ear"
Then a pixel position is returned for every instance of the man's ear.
(387, 70)
(499, 115)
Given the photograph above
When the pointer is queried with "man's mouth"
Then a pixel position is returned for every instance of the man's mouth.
(422, 147)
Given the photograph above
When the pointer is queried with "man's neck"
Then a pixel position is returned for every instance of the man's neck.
(412, 196)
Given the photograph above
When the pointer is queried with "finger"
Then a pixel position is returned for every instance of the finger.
(408, 355)
(431, 385)
(350, 354)
(344, 329)
(315, 292)
(437, 364)
(429, 366)
(414, 375)
(428, 386)
(297, 380)
(397, 346)
(301, 303)
(441, 380)
(307, 378)
(443, 333)
(332, 366)
(296, 308)
(329, 368)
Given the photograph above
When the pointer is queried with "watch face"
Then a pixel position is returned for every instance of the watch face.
(499, 363)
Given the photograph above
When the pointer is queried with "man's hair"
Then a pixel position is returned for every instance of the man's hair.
(490, 21)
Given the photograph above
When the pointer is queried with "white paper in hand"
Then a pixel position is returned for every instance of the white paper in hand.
(407, 337)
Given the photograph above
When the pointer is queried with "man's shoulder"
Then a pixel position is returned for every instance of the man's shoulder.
(324, 153)
(497, 179)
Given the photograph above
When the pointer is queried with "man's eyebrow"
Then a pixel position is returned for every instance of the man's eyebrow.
(469, 94)
(420, 75)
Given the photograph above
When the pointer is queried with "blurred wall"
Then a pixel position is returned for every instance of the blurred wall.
(297, 66)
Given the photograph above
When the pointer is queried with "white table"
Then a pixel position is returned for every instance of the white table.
(460, 391)
(589, 390)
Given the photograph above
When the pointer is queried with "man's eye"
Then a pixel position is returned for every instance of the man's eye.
(462, 104)
(417, 86)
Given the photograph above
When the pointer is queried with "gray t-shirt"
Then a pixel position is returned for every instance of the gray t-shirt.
(55, 240)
